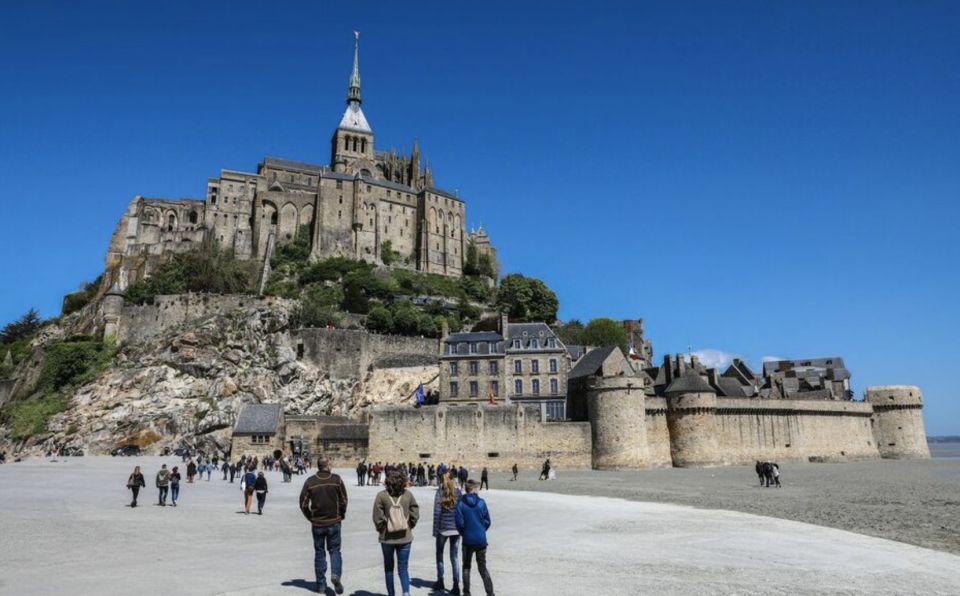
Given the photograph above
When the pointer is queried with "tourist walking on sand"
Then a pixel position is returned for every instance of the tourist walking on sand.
(191, 471)
(776, 473)
(484, 481)
(135, 482)
(225, 468)
(323, 501)
(395, 514)
(473, 521)
(260, 487)
(249, 479)
(445, 529)
(174, 485)
(463, 474)
(163, 484)
(516, 471)
(361, 472)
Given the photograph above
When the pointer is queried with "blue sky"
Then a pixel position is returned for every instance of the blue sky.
(756, 178)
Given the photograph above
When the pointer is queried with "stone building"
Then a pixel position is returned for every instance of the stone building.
(258, 430)
(522, 363)
(262, 429)
(364, 204)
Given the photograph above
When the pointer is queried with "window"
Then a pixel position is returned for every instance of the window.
(340, 185)
(517, 367)
(516, 344)
(493, 367)
(534, 344)
(474, 367)
(535, 386)
(518, 387)
(454, 388)
(553, 365)
(495, 388)
(556, 410)
(551, 343)
(554, 387)
(474, 388)
(473, 348)
(534, 366)
(453, 367)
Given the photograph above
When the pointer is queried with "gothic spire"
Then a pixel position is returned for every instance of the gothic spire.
(354, 93)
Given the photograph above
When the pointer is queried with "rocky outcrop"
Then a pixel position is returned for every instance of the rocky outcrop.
(188, 384)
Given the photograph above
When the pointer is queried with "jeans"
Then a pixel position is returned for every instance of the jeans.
(136, 493)
(261, 501)
(481, 552)
(403, 560)
(329, 537)
(174, 492)
(163, 495)
(454, 556)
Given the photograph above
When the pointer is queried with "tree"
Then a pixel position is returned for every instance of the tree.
(406, 319)
(527, 299)
(387, 254)
(570, 333)
(486, 267)
(20, 328)
(206, 269)
(471, 265)
(380, 320)
(605, 332)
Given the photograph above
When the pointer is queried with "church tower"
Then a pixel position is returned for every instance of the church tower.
(352, 143)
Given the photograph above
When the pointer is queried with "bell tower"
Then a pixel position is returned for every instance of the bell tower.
(353, 139)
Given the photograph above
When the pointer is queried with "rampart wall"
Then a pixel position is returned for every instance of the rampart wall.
(346, 353)
(491, 436)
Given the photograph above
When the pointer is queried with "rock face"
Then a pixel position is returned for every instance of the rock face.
(187, 386)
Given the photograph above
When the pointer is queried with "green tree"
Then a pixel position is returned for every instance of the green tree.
(406, 319)
(206, 269)
(486, 267)
(387, 255)
(380, 319)
(527, 299)
(470, 260)
(605, 332)
(570, 333)
(21, 328)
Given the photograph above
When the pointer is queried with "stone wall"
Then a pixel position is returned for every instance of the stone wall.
(658, 436)
(141, 322)
(793, 430)
(491, 436)
(349, 354)
(897, 421)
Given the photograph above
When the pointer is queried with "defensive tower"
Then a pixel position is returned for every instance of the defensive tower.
(615, 408)
(691, 420)
(898, 421)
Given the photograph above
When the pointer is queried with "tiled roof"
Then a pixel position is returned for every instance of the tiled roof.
(258, 419)
(689, 382)
(591, 362)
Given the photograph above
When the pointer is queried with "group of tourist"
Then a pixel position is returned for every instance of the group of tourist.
(461, 518)
(422, 474)
(769, 473)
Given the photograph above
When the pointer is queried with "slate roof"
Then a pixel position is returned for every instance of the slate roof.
(576, 352)
(689, 382)
(591, 362)
(344, 431)
(353, 118)
(729, 387)
(258, 419)
(454, 338)
(294, 165)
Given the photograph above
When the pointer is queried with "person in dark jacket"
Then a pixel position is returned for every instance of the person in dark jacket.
(260, 487)
(135, 482)
(233, 471)
(323, 501)
(444, 529)
(361, 472)
(473, 521)
(462, 475)
(225, 468)
(174, 485)
(191, 471)
(249, 480)
(484, 480)
(516, 471)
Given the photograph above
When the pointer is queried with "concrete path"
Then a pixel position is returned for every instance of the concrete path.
(65, 528)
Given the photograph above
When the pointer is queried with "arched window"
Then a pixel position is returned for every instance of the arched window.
(354, 143)
(273, 218)
(171, 222)
(193, 217)
(363, 145)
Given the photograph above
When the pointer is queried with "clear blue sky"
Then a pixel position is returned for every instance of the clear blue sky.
(757, 178)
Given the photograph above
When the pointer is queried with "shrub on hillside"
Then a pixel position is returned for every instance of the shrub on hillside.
(206, 269)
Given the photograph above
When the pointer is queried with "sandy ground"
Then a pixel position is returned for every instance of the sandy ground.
(66, 529)
(917, 502)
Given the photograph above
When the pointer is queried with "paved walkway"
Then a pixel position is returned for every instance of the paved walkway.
(66, 529)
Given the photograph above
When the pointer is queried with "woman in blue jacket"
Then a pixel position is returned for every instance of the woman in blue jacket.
(444, 529)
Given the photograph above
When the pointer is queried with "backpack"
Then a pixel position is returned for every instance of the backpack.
(396, 518)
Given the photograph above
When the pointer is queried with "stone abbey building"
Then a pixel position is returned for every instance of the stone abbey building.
(363, 203)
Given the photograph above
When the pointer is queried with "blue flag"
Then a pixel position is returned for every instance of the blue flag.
(420, 396)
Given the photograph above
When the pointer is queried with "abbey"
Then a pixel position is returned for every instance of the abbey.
(366, 204)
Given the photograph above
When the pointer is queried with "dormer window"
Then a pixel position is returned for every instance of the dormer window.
(534, 344)
(551, 343)
(516, 344)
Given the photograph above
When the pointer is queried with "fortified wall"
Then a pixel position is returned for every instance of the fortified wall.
(348, 353)
(495, 437)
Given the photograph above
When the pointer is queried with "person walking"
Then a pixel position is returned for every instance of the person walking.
(445, 529)
(361, 472)
(323, 501)
(191, 471)
(484, 481)
(473, 521)
(463, 474)
(233, 471)
(516, 471)
(776, 474)
(260, 487)
(163, 484)
(225, 468)
(247, 485)
(759, 470)
(135, 482)
(395, 514)
(174, 485)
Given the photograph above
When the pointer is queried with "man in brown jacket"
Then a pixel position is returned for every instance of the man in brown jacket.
(323, 502)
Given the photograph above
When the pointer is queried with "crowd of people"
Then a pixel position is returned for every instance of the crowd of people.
(769, 473)
(422, 474)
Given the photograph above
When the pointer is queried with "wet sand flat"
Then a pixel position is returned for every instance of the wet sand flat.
(912, 501)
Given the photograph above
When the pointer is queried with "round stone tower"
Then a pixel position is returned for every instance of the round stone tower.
(898, 421)
(111, 307)
(691, 421)
(615, 408)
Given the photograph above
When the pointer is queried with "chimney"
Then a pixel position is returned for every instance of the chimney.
(504, 323)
